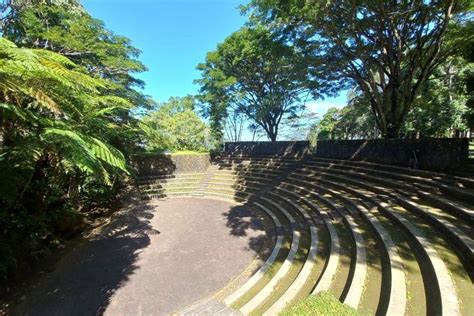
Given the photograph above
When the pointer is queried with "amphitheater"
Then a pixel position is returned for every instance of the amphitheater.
(383, 239)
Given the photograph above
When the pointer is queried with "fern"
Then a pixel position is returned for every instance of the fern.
(30, 72)
(85, 152)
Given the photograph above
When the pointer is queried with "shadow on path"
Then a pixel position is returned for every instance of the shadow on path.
(83, 282)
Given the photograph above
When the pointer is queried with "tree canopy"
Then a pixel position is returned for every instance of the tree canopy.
(253, 74)
(67, 95)
(387, 48)
(176, 126)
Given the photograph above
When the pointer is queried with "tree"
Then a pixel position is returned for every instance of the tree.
(253, 74)
(353, 121)
(54, 145)
(298, 128)
(67, 93)
(388, 48)
(63, 26)
(324, 128)
(234, 126)
(440, 109)
(176, 126)
(468, 54)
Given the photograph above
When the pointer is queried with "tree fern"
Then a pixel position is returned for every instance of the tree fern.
(86, 152)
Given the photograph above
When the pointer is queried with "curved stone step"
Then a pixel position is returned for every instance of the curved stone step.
(445, 294)
(397, 297)
(329, 272)
(432, 198)
(446, 288)
(453, 207)
(373, 200)
(268, 288)
(400, 180)
(229, 300)
(305, 272)
(356, 284)
(438, 176)
(464, 244)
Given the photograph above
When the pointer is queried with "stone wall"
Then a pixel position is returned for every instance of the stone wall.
(432, 153)
(280, 148)
(160, 164)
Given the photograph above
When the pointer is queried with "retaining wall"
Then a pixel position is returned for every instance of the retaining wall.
(280, 148)
(432, 153)
(160, 164)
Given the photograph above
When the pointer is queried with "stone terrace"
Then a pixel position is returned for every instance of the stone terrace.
(383, 239)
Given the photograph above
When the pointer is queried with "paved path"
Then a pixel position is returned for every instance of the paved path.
(155, 259)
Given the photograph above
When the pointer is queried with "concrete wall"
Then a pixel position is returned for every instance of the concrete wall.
(281, 148)
(151, 165)
(432, 153)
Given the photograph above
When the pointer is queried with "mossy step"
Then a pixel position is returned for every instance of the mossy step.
(305, 272)
(439, 176)
(396, 180)
(464, 244)
(449, 295)
(267, 291)
(438, 275)
(231, 299)
(354, 178)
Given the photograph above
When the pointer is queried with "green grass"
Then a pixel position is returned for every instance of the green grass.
(322, 304)
(173, 153)
(188, 152)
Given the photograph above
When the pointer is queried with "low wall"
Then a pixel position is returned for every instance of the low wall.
(432, 153)
(281, 148)
(160, 164)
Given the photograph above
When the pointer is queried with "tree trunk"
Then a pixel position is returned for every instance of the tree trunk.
(272, 132)
(393, 131)
(272, 137)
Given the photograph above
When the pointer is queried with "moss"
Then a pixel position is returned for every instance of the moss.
(321, 304)
(189, 153)
(164, 152)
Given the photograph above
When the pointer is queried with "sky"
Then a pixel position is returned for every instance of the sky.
(174, 37)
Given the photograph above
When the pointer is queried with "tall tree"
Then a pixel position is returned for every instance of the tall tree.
(67, 92)
(440, 109)
(54, 147)
(63, 26)
(175, 125)
(234, 126)
(387, 48)
(324, 129)
(253, 74)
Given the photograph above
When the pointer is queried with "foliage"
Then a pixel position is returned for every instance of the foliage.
(66, 127)
(234, 126)
(322, 304)
(253, 74)
(353, 121)
(468, 55)
(64, 27)
(176, 126)
(324, 128)
(297, 128)
(387, 48)
(440, 109)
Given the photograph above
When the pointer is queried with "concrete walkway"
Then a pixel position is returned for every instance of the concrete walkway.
(153, 260)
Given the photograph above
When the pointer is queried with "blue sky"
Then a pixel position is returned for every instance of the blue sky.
(174, 36)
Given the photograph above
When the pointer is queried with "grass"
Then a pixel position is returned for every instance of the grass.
(172, 153)
(321, 304)
(188, 152)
